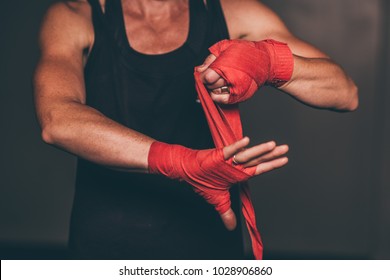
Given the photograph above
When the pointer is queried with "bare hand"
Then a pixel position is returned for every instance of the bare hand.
(266, 157)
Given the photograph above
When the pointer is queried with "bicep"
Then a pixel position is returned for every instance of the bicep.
(59, 74)
(266, 24)
(56, 79)
(300, 47)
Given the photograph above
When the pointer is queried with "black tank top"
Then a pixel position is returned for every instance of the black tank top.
(119, 215)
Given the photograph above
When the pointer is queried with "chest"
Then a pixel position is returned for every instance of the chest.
(159, 34)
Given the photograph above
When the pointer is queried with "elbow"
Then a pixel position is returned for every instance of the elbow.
(47, 135)
(352, 99)
(354, 102)
(52, 131)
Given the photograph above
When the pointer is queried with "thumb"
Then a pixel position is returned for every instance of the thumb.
(229, 219)
(210, 59)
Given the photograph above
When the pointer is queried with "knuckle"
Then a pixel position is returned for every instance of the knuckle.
(214, 96)
(208, 77)
(207, 60)
(218, 98)
(216, 91)
(210, 58)
(223, 83)
(225, 98)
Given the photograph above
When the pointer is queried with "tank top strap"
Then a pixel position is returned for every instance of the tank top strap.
(114, 20)
(101, 33)
(113, 12)
(97, 14)
(199, 21)
(215, 12)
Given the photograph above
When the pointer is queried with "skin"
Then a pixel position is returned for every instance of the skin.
(155, 27)
(316, 81)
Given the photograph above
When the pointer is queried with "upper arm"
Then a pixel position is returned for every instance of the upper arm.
(254, 21)
(65, 36)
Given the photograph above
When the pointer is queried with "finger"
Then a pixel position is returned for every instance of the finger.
(220, 98)
(209, 77)
(217, 85)
(210, 59)
(229, 219)
(275, 153)
(270, 165)
(234, 148)
(255, 152)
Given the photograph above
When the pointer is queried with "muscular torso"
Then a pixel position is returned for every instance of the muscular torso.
(162, 29)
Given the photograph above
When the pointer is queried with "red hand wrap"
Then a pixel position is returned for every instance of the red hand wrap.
(225, 126)
(206, 170)
(247, 65)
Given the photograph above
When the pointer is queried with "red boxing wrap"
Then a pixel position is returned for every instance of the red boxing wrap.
(206, 170)
(225, 126)
(247, 65)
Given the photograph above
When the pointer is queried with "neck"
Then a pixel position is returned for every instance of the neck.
(154, 9)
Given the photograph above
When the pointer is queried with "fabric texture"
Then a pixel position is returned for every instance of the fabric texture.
(206, 170)
(119, 215)
(245, 66)
(225, 126)
(248, 65)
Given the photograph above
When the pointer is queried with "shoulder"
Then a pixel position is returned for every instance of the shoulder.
(67, 23)
(69, 13)
(252, 20)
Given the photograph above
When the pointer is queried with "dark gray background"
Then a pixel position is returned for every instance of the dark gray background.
(331, 201)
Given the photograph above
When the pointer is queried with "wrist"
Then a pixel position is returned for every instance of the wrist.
(281, 61)
(161, 156)
(158, 151)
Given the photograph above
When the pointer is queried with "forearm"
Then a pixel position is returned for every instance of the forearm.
(87, 133)
(321, 83)
(71, 125)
